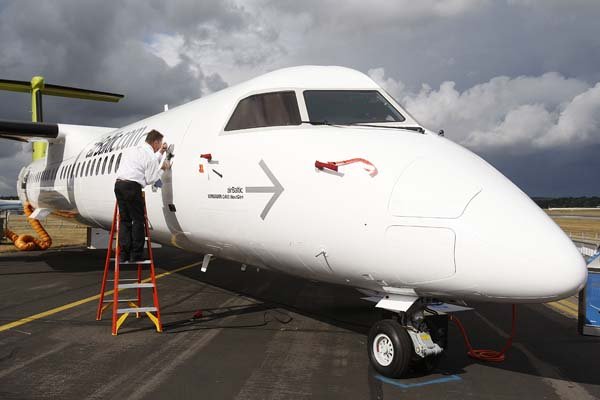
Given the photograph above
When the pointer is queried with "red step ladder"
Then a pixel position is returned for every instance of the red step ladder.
(119, 315)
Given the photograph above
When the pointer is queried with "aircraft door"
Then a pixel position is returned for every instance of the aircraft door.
(185, 187)
(166, 200)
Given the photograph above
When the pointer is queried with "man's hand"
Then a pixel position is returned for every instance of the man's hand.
(166, 165)
(163, 148)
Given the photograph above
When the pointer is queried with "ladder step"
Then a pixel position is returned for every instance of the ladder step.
(115, 237)
(132, 263)
(121, 279)
(120, 300)
(135, 309)
(135, 285)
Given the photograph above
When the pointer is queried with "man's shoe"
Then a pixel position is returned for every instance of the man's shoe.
(136, 258)
(124, 257)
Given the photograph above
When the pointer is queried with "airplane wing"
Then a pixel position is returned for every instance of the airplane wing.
(10, 205)
(26, 131)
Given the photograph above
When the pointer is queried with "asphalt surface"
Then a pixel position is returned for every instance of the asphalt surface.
(260, 335)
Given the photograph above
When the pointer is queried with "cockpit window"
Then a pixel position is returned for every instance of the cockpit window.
(267, 109)
(349, 107)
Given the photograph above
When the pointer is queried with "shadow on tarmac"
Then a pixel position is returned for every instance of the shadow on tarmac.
(551, 343)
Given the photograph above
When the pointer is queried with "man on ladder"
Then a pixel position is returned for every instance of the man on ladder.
(139, 167)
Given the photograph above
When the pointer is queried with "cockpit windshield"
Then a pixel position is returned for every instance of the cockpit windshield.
(345, 107)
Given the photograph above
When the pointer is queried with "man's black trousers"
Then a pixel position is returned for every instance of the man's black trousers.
(131, 212)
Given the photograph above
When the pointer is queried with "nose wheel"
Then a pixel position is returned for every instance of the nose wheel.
(390, 348)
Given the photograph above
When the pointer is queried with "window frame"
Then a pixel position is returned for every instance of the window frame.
(383, 94)
(299, 105)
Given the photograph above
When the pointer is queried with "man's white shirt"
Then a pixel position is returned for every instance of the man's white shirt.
(140, 164)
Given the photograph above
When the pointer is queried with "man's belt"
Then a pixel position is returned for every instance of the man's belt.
(127, 181)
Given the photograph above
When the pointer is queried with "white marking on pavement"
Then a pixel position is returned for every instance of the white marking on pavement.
(564, 388)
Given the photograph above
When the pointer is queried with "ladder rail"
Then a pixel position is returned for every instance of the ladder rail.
(152, 272)
(106, 265)
(115, 316)
(139, 290)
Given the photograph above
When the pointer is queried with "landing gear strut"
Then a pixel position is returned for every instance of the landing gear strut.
(409, 342)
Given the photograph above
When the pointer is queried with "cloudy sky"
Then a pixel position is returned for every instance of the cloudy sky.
(517, 81)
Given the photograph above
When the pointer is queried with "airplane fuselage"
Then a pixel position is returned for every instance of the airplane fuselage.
(433, 218)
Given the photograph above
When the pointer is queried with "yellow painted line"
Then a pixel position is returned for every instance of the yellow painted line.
(560, 307)
(175, 270)
(68, 306)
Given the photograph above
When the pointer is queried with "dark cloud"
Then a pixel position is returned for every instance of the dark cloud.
(103, 46)
(560, 172)
(467, 42)
(9, 149)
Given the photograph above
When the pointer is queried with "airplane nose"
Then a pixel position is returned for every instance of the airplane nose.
(505, 247)
(512, 250)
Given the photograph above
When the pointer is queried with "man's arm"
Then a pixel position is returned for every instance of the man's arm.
(153, 170)
(160, 152)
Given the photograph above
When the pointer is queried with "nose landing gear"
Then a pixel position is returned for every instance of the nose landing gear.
(410, 342)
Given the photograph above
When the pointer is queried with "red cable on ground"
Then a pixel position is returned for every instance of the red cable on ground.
(484, 354)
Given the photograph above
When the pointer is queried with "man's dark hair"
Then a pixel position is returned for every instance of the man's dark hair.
(153, 135)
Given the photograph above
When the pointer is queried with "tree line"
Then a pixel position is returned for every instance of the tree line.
(567, 202)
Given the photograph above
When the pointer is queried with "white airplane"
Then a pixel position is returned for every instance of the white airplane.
(319, 173)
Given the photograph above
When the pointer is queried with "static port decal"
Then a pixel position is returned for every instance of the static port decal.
(238, 192)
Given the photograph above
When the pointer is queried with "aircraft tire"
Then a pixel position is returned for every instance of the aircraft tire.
(390, 348)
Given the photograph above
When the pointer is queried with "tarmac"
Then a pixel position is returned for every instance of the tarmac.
(256, 334)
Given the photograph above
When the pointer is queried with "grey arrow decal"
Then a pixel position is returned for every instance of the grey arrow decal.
(276, 189)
